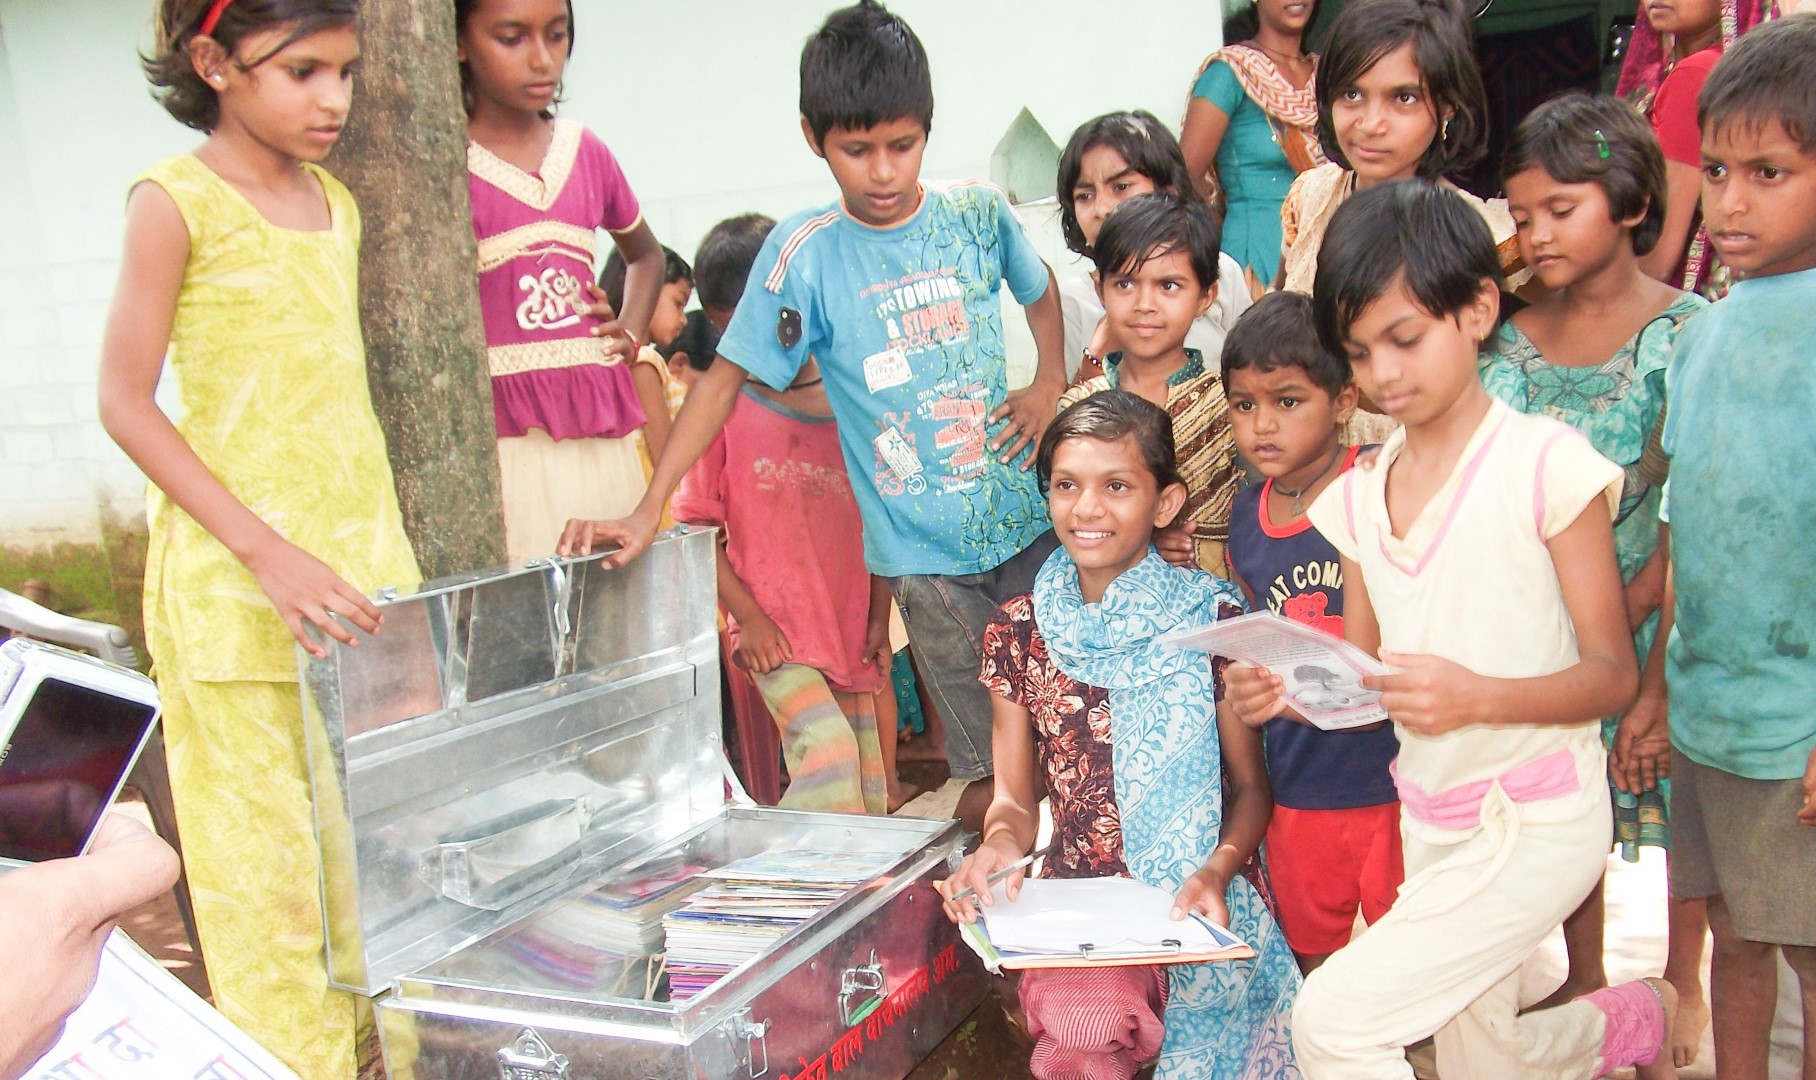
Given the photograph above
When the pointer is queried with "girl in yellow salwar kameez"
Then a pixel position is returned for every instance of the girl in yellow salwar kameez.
(272, 507)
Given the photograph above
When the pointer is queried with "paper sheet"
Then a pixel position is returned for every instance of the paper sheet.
(1097, 917)
(1323, 674)
(142, 1023)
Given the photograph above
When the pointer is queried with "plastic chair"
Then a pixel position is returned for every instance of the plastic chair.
(150, 777)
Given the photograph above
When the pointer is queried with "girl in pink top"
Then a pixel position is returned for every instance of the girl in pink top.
(565, 398)
(807, 620)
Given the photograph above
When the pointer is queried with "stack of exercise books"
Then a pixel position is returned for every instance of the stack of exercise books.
(753, 903)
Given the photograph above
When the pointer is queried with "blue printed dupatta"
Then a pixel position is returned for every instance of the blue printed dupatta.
(1227, 1020)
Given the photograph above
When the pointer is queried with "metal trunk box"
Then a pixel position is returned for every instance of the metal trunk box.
(520, 750)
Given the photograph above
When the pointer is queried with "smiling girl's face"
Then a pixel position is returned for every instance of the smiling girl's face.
(1105, 181)
(1385, 120)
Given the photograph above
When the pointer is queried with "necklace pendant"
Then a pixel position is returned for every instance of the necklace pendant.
(1298, 506)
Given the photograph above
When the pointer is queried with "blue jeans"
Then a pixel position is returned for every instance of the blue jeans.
(946, 615)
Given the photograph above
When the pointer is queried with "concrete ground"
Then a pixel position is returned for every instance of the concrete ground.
(986, 1045)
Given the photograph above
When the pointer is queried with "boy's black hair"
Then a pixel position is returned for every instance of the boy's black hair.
(463, 10)
(1142, 141)
(725, 256)
(1581, 139)
(1769, 73)
(185, 95)
(1111, 416)
(1278, 332)
(611, 275)
(1150, 225)
(698, 341)
(863, 68)
(1439, 33)
(1413, 232)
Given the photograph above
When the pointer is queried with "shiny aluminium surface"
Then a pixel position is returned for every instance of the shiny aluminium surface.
(503, 737)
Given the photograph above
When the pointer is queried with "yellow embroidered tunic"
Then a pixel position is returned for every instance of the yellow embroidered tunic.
(271, 366)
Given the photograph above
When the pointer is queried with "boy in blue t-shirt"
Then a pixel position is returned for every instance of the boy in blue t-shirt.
(894, 290)
(1740, 666)
(1333, 844)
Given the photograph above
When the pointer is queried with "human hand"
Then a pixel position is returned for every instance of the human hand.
(1175, 544)
(58, 917)
(1428, 695)
(1203, 892)
(974, 874)
(1642, 746)
(876, 646)
(1253, 694)
(615, 341)
(1024, 414)
(307, 593)
(1806, 815)
(632, 535)
(762, 647)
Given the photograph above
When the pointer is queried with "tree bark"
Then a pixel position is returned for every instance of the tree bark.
(404, 155)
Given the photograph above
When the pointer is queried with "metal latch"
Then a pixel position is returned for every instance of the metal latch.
(860, 991)
(530, 1058)
(754, 1033)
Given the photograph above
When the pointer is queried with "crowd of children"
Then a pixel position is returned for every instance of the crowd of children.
(1467, 485)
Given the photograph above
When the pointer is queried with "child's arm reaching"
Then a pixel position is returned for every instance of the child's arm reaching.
(1012, 823)
(302, 588)
(1248, 806)
(1430, 695)
(1029, 410)
(708, 406)
(876, 631)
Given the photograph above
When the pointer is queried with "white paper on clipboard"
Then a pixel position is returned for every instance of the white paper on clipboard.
(1323, 674)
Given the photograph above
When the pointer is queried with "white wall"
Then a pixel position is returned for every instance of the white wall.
(696, 97)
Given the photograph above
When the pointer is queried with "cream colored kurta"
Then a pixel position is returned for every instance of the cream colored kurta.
(1472, 580)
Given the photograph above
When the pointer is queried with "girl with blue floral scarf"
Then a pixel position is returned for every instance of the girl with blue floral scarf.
(1122, 734)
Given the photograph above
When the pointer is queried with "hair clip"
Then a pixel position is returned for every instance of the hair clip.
(1601, 145)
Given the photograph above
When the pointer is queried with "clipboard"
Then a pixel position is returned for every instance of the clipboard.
(1094, 922)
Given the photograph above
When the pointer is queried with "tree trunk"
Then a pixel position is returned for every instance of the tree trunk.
(404, 155)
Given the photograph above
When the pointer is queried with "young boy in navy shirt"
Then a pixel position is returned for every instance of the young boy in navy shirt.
(1333, 845)
(893, 290)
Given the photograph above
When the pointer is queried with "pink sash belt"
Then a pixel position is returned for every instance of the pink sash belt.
(1460, 807)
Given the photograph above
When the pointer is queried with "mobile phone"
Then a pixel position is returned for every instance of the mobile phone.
(71, 727)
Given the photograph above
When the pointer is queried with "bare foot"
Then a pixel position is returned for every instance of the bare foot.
(1687, 1030)
(1570, 991)
(1662, 1066)
(901, 795)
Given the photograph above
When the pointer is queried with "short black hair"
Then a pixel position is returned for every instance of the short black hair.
(1769, 73)
(185, 95)
(1577, 138)
(1439, 33)
(611, 275)
(1150, 225)
(863, 68)
(1111, 416)
(1278, 331)
(1142, 141)
(724, 258)
(698, 341)
(1414, 232)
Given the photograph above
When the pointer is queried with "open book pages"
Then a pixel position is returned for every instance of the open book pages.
(1323, 674)
(1084, 922)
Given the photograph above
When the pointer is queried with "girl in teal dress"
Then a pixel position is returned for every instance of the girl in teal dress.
(1250, 127)
(1586, 189)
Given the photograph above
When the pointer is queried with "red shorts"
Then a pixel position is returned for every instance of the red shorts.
(1326, 865)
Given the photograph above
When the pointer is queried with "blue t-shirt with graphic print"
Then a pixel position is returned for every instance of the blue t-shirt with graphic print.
(907, 328)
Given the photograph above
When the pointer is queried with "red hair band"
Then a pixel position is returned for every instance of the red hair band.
(213, 18)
